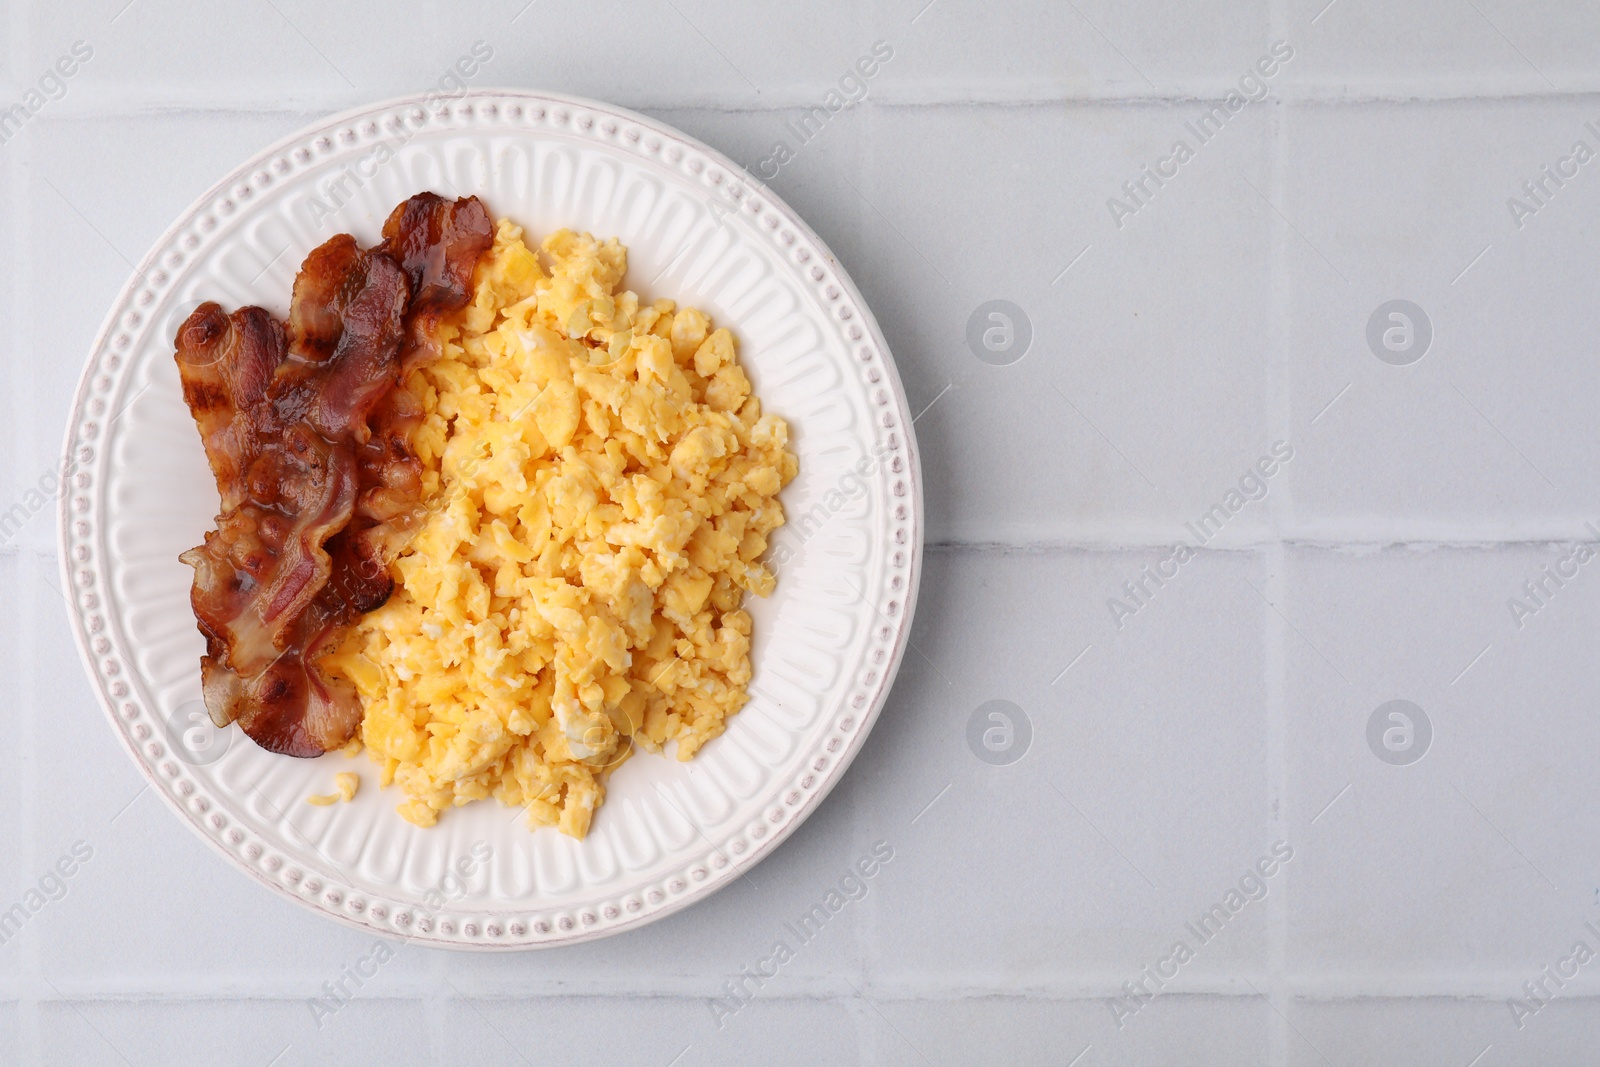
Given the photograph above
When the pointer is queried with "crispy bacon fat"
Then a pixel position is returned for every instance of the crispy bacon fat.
(310, 446)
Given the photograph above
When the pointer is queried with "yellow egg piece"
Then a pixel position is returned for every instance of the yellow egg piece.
(603, 484)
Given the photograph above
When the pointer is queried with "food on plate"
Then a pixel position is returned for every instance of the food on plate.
(600, 485)
(482, 511)
(345, 782)
(309, 443)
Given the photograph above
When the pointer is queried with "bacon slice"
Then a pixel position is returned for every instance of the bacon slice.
(437, 243)
(310, 447)
(226, 364)
(321, 292)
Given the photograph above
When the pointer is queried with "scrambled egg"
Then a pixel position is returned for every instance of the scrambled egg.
(345, 782)
(601, 485)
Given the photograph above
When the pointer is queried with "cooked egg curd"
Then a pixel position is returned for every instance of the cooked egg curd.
(601, 485)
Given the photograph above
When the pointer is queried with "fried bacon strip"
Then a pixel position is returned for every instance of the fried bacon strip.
(309, 443)
(437, 244)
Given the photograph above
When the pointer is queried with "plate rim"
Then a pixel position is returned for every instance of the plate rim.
(867, 716)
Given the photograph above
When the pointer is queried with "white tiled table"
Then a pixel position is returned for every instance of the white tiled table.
(1228, 713)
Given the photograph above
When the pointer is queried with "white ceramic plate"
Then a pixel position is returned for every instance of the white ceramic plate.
(827, 643)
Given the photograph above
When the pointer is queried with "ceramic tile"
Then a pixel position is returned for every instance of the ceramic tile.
(1074, 828)
(233, 1031)
(1173, 1029)
(1485, 48)
(1466, 416)
(1451, 839)
(658, 1030)
(1133, 391)
(1090, 48)
(1441, 1030)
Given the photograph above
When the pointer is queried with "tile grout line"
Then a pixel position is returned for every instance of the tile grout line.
(1276, 664)
(1084, 542)
(1091, 990)
(23, 426)
(115, 101)
(31, 967)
